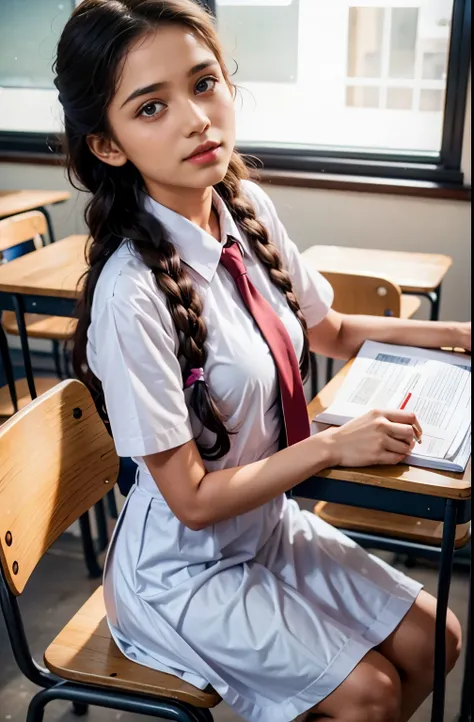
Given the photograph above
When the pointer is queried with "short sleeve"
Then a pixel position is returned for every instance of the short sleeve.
(132, 350)
(313, 291)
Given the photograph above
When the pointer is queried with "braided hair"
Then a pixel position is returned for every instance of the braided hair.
(91, 50)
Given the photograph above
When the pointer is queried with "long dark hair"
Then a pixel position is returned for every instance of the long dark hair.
(91, 51)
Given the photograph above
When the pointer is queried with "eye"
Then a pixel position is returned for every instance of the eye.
(150, 110)
(206, 84)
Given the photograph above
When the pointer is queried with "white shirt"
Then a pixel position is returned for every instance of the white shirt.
(132, 342)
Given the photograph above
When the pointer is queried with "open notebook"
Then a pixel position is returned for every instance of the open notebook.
(436, 385)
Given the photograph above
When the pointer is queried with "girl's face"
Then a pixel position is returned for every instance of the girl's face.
(172, 115)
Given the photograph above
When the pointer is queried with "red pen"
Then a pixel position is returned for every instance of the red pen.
(416, 428)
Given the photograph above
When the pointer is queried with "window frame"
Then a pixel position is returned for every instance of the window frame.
(443, 168)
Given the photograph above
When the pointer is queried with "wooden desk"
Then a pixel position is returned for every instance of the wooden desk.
(54, 270)
(446, 485)
(405, 490)
(46, 281)
(13, 202)
(419, 274)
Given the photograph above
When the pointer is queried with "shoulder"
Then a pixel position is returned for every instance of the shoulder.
(126, 284)
(260, 199)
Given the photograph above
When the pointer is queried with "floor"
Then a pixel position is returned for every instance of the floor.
(59, 586)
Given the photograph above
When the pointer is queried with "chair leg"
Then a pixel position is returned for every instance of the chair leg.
(80, 708)
(88, 547)
(7, 365)
(36, 707)
(57, 360)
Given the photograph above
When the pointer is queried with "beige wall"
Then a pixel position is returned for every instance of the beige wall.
(330, 217)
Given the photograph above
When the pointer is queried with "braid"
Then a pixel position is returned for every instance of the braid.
(115, 213)
(244, 214)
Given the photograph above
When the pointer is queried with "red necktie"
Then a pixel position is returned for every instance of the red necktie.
(293, 401)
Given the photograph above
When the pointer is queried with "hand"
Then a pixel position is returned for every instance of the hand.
(378, 437)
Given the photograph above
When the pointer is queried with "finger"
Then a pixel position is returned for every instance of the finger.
(403, 432)
(404, 417)
(390, 459)
(395, 446)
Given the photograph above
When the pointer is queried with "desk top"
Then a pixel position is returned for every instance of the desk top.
(400, 477)
(416, 272)
(54, 270)
(13, 202)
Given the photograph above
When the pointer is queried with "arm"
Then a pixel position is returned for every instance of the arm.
(199, 499)
(341, 335)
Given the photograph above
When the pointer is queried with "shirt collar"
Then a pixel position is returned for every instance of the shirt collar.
(197, 248)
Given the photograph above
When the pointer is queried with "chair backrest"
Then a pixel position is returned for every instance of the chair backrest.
(356, 293)
(22, 227)
(56, 461)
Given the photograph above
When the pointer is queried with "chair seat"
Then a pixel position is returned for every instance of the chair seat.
(55, 328)
(408, 528)
(42, 384)
(84, 651)
(409, 305)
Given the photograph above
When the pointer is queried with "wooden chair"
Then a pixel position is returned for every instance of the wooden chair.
(30, 226)
(357, 293)
(70, 465)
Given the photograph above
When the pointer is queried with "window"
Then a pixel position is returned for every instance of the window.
(374, 87)
(29, 32)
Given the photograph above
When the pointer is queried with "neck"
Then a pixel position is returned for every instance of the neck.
(195, 204)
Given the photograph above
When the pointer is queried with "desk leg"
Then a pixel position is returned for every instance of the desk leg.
(444, 583)
(49, 223)
(466, 698)
(435, 297)
(20, 319)
(7, 365)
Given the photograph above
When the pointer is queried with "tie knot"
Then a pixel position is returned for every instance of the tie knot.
(231, 259)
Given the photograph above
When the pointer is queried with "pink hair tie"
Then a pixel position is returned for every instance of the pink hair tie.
(194, 375)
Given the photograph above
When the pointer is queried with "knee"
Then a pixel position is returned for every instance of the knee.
(380, 696)
(426, 651)
(453, 640)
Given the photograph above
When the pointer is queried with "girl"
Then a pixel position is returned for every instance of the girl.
(195, 311)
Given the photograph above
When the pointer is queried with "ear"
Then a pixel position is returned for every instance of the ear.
(106, 150)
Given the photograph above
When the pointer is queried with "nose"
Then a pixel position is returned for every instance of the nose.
(196, 120)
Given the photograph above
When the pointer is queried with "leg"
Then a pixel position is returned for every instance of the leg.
(465, 713)
(371, 693)
(411, 649)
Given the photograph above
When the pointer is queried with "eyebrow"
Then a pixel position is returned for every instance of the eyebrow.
(153, 87)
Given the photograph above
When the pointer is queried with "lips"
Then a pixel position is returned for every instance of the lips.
(203, 148)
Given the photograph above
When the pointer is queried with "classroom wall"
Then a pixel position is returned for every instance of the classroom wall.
(330, 218)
